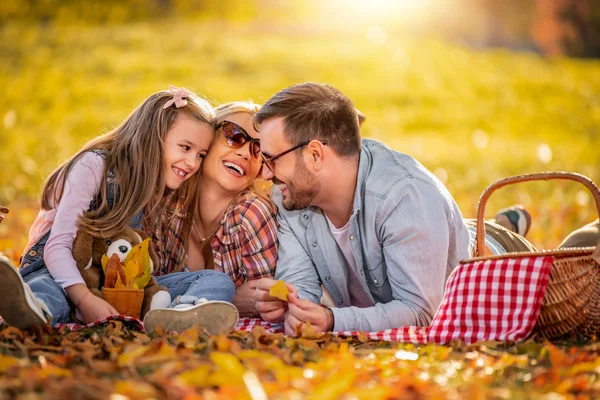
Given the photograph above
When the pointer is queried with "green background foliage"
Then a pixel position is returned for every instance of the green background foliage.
(471, 116)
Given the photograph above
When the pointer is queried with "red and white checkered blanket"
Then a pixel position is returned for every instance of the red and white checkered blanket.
(484, 300)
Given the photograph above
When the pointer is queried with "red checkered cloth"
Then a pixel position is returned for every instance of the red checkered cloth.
(248, 324)
(484, 300)
(492, 300)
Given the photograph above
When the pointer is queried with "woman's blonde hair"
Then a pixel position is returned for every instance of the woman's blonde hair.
(134, 153)
(258, 186)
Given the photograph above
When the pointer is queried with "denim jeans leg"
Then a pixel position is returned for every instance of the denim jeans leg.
(45, 288)
(210, 284)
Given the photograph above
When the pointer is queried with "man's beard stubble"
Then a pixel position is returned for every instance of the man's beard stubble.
(303, 190)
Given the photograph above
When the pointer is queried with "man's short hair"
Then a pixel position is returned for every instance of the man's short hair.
(315, 111)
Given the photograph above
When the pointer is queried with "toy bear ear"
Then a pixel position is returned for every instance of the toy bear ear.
(142, 235)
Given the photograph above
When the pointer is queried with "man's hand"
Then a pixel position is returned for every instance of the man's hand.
(270, 308)
(300, 311)
(244, 299)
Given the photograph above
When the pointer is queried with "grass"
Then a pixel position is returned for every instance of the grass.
(470, 116)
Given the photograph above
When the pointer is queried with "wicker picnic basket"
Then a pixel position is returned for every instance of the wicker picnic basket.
(571, 304)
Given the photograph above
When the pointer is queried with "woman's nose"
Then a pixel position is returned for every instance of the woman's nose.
(244, 151)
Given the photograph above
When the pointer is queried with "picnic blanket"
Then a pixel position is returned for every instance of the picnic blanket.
(483, 300)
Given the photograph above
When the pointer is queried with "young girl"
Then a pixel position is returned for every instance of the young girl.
(235, 228)
(140, 174)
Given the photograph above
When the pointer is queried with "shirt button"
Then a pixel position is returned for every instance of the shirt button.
(314, 244)
(374, 280)
(340, 303)
(327, 278)
(351, 237)
(305, 216)
(32, 253)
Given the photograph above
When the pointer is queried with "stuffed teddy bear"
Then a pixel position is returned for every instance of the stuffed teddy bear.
(88, 252)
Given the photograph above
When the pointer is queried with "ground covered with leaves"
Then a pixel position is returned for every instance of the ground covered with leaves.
(117, 361)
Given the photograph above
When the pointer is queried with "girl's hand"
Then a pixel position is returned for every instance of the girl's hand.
(94, 308)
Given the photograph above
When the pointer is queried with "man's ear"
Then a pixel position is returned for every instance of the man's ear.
(316, 155)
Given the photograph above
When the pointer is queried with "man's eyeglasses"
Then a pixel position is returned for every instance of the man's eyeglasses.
(270, 161)
(236, 137)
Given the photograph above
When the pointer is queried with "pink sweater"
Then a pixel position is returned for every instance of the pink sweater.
(81, 185)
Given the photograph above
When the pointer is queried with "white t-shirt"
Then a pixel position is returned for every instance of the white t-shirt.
(358, 296)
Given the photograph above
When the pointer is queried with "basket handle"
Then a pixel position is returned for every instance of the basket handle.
(480, 233)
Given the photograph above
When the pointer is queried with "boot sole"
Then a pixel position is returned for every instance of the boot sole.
(18, 310)
(215, 317)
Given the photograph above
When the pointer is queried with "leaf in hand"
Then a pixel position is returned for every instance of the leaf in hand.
(280, 291)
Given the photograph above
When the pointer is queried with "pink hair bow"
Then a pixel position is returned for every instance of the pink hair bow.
(178, 99)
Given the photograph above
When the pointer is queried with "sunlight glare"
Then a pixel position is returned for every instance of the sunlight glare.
(383, 7)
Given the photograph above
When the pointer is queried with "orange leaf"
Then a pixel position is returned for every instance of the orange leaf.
(280, 291)
(110, 278)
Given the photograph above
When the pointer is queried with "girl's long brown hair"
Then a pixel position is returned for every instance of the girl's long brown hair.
(134, 152)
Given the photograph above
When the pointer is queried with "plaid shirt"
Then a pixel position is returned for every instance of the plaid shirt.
(167, 240)
(245, 245)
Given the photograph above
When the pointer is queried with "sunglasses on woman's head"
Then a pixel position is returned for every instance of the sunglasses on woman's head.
(235, 136)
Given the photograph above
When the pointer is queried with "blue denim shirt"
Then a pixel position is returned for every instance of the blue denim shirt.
(407, 236)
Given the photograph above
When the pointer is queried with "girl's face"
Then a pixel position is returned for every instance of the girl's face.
(234, 169)
(185, 146)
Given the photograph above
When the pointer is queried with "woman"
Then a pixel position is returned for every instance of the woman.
(235, 228)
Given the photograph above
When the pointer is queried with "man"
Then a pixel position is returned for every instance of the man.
(371, 225)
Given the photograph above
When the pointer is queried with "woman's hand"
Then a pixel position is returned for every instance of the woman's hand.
(245, 301)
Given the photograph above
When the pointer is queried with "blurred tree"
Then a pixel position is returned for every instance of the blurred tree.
(568, 27)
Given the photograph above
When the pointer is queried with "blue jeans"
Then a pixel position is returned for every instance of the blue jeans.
(208, 283)
(45, 288)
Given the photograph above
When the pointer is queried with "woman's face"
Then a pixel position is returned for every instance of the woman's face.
(233, 169)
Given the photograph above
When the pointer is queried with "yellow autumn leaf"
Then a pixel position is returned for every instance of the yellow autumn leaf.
(119, 284)
(334, 386)
(104, 262)
(195, 377)
(230, 369)
(280, 291)
(6, 362)
(135, 390)
(130, 354)
(138, 265)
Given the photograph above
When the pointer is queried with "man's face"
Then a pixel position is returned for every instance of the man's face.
(297, 183)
